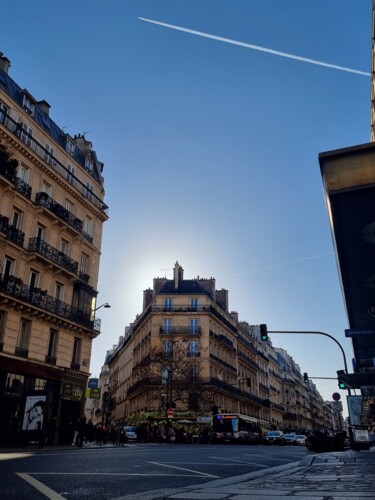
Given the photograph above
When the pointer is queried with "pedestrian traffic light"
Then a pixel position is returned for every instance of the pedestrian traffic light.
(342, 384)
(306, 378)
(263, 332)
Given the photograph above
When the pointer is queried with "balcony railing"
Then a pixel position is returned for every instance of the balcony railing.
(87, 236)
(22, 187)
(75, 366)
(185, 330)
(41, 247)
(11, 232)
(180, 308)
(8, 173)
(16, 128)
(16, 288)
(45, 200)
(51, 360)
(22, 353)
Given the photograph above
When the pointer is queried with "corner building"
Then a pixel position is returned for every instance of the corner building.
(51, 217)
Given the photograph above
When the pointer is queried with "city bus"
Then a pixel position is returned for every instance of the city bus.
(235, 428)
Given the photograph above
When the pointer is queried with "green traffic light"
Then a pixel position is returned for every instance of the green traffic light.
(342, 385)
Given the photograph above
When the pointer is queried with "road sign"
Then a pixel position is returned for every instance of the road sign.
(170, 412)
(357, 332)
(336, 396)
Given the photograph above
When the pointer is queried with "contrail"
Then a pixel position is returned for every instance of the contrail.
(257, 47)
(277, 265)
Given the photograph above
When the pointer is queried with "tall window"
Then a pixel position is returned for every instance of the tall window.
(34, 279)
(64, 247)
(194, 303)
(194, 372)
(165, 374)
(46, 188)
(167, 325)
(168, 348)
(59, 291)
(24, 334)
(88, 165)
(23, 173)
(194, 326)
(167, 303)
(49, 154)
(89, 191)
(52, 343)
(3, 112)
(76, 355)
(26, 134)
(88, 225)
(9, 266)
(28, 105)
(40, 232)
(84, 264)
(193, 348)
(17, 218)
(70, 174)
(70, 147)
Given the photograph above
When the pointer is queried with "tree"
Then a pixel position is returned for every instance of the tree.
(8, 165)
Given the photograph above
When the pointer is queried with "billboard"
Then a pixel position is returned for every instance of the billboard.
(34, 413)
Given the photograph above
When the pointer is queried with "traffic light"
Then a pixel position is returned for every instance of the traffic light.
(263, 332)
(306, 378)
(342, 384)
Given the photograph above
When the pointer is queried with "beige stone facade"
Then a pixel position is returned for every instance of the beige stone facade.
(51, 217)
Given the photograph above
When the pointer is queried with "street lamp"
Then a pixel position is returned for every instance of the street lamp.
(105, 305)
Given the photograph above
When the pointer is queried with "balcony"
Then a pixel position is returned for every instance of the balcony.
(50, 360)
(75, 366)
(22, 187)
(44, 200)
(11, 232)
(84, 277)
(184, 330)
(87, 236)
(14, 287)
(8, 173)
(61, 259)
(22, 353)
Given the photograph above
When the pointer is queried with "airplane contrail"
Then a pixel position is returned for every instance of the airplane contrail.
(257, 47)
(275, 266)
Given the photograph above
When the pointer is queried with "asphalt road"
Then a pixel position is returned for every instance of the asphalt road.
(140, 471)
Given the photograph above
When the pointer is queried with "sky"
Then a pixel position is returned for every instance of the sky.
(209, 121)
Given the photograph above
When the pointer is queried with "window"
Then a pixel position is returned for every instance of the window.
(49, 154)
(46, 188)
(168, 348)
(88, 226)
(88, 165)
(26, 134)
(24, 334)
(23, 173)
(64, 247)
(165, 374)
(88, 191)
(28, 105)
(9, 266)
(193, 326)
(167, 325)
(70, 174)
(70, 147)
(194, 303)
(69, 206)
(17, 218)
(167, 303)
(2, 325)
(84, 264)
(59, 291)
(194, 372)
(3, 112)
(40, 232)
(76, 350)
(52, 343)
(193, 348)
(34, 279)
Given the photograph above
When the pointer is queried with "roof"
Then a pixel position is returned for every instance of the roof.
(185, 287)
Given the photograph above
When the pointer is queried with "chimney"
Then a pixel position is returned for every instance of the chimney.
(83, 145)
(222, 299)
(4, 63)
(178, 274)
(44, 106)
(147, 298)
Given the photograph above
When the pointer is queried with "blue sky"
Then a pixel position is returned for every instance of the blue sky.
(210, 149)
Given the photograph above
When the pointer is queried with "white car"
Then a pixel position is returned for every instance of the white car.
(300, 439)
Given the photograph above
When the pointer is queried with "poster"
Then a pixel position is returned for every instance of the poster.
(34, 413)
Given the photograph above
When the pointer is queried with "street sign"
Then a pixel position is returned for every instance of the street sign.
(357, 332)
(170, 412)
(336, 396)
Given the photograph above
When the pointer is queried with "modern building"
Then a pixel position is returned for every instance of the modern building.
(51, 215)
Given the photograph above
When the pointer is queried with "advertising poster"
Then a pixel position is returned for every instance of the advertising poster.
(34, 413)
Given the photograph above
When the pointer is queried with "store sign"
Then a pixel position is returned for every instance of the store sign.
(72, 391)
(93, 393)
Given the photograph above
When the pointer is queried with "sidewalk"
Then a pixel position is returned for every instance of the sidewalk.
(327, 476)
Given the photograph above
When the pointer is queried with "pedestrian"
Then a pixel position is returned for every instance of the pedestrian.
(81, 431)
(76, 432)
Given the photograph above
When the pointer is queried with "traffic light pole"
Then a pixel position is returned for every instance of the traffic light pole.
(317, 333)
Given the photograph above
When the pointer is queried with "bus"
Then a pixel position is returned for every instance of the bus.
(235, 428)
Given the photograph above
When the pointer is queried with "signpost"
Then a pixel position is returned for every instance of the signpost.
(170, 412)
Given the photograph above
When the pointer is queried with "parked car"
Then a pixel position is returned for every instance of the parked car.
(129, 434)
(300, 439)
(290, 438)
(274, 437)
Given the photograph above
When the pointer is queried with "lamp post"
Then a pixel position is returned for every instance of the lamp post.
(105, 305)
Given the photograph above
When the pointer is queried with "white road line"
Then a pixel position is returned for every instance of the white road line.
(108, 474)
(187, 470)
(240, 461)
(40, 486)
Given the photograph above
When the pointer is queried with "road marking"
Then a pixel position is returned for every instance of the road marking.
(40, 486)
(109, 474)
(187, 470)
(240, 461)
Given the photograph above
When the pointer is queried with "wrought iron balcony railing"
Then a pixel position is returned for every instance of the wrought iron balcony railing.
(14, 287)
(41, 247)
(8, 173)
(185, 330)
(87, 236)
(11, 232)
(45, 200)
(22, 187)
(22, 353)
(51, 360)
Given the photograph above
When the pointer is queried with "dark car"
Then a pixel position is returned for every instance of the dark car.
(129, 434)
(274, 437)
(290, 438)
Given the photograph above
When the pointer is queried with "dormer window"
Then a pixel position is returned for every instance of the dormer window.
(48, 154)
(88, 165)
(28, 105)
(70, 147)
